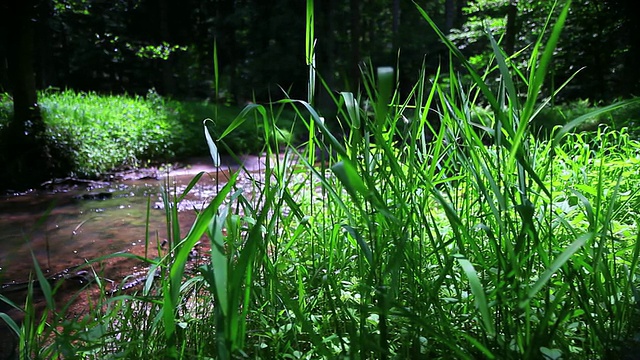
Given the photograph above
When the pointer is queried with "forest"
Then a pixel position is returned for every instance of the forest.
(435, 179)
(133, 46)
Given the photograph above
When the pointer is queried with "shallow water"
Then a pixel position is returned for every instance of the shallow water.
(62, 229)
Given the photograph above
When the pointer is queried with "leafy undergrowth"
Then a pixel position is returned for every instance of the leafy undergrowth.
(97, 133)
(559, 115)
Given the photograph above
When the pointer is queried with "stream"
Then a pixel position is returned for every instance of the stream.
(68, 224)
(64, 226)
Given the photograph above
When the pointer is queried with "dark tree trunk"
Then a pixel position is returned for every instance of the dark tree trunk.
(631, 33)
(510, 36)
(24, 155)
(326, 50)
(45, 73)
(4, 71)
(460, 18)
(20, 63)
(228, 49)
(396, 22)
(449, 15)
(356, 38)
(168, 81)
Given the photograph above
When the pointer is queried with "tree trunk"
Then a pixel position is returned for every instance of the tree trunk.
(631, 33)
(510, 36)
(356, 38)
(20, 63)
(24, 154)
(396, 23)
(326, 51)
(449, 15)
(460, 17)
(168, 81)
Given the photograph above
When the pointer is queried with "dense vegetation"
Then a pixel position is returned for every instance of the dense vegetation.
(93, 134)
(485, 241)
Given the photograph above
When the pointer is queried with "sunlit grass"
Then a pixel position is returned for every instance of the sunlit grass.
(94, 134)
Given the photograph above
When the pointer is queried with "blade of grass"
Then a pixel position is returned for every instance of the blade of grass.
(555, 266)
(478, 292)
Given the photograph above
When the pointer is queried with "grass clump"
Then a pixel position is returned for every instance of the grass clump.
(94, 134)
(626, 117)
(402, 246)
(107, 132)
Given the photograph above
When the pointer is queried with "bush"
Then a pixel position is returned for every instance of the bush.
(91, 134)
(559, 115)
(101, 133)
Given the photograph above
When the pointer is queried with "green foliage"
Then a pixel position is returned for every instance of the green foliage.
(402, 246)
(162, 51)
(94, 134)
(624, 118)
(594, 39)
(107, 132)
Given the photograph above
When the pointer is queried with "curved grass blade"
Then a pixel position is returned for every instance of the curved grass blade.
(12, 324)
(352, 182)
(581, 119)
(192, 183)
(555, 266)
(478, 293)
(44, 283)
(537, 77)
(219, 262)
(385, 88)
(172, 286)
(352, 109)
(213, 149)
(363, 244)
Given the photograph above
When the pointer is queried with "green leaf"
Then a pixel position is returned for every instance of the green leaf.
(10, 322)
(352, 182)
(551, 354)
(352, 109)
(538, 77)
(219, 262)
(363, 244)
(478, 293)
(213, 149)
(581, 119)
(385, 88)
(44, 284)
(555, 266)
(172, 286)
(190, 186)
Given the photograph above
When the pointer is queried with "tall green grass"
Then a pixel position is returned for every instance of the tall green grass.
(412, 240)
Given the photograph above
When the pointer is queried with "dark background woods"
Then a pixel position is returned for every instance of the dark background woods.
(133, 46)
